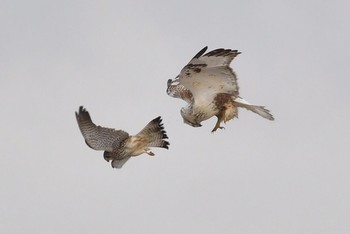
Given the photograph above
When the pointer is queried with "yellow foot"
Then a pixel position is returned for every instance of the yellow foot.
(216, 127)
(150, 153)
(226, 119)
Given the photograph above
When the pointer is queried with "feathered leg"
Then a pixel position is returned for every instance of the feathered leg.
(220, 117)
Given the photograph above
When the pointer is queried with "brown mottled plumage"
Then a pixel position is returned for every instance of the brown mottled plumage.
(117, 145)
(209, 86)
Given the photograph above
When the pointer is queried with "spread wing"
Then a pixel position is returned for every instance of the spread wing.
(153, 134)
(97, 137)
(209, 74)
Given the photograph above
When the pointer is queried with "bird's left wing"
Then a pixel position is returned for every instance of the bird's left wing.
(154, 134)
(210, 73)
(97, 137)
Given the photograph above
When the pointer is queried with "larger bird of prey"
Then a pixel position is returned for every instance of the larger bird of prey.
(119, 146)
(209, 86)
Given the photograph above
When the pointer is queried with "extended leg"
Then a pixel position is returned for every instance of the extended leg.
(149, 152)
(217, 125)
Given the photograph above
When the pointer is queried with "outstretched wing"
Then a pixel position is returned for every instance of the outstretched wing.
(214, 58)
(97, 137)
(153, 134)
(209, 74)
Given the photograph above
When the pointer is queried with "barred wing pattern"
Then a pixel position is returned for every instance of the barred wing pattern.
(118, 145)
(97, 137)
(209, 86)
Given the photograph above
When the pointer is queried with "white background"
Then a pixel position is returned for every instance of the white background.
(115, 57)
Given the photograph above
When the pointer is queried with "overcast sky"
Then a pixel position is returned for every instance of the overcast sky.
(115, 57)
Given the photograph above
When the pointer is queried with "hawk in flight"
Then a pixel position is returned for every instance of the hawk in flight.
(209, 86)
(118, 145)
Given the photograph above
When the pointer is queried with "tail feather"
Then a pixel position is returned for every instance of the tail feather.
(154, 131)
(260, 110)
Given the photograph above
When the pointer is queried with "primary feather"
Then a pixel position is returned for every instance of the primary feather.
(118, 145)
(209, 86)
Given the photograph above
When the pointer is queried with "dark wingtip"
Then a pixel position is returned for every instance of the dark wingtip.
(161, 126)
(158, 120)
(83, 114)
(200, 53)
(166, 145)
(222, 52)
(81, 110)
(77, 113)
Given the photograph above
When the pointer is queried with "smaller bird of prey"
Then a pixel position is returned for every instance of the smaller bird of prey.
(118, 145)
(209, 86)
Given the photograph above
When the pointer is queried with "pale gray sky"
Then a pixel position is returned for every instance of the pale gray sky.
(114, 57)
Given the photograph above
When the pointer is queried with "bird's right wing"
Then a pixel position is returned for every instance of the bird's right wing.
(154, 135)
(209, 74)
(97, 137)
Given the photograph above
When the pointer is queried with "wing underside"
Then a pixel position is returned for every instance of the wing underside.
(97, 137)
(209, 74)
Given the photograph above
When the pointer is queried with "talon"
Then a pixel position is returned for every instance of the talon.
(150, 153)
(216, 127)
(221, 117)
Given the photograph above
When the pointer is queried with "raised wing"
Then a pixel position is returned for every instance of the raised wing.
(97, 137)
(154, 135)
(214, 58)
(210, 74)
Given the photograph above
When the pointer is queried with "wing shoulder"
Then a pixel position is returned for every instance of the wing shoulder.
(177, 90)
(205, 76)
